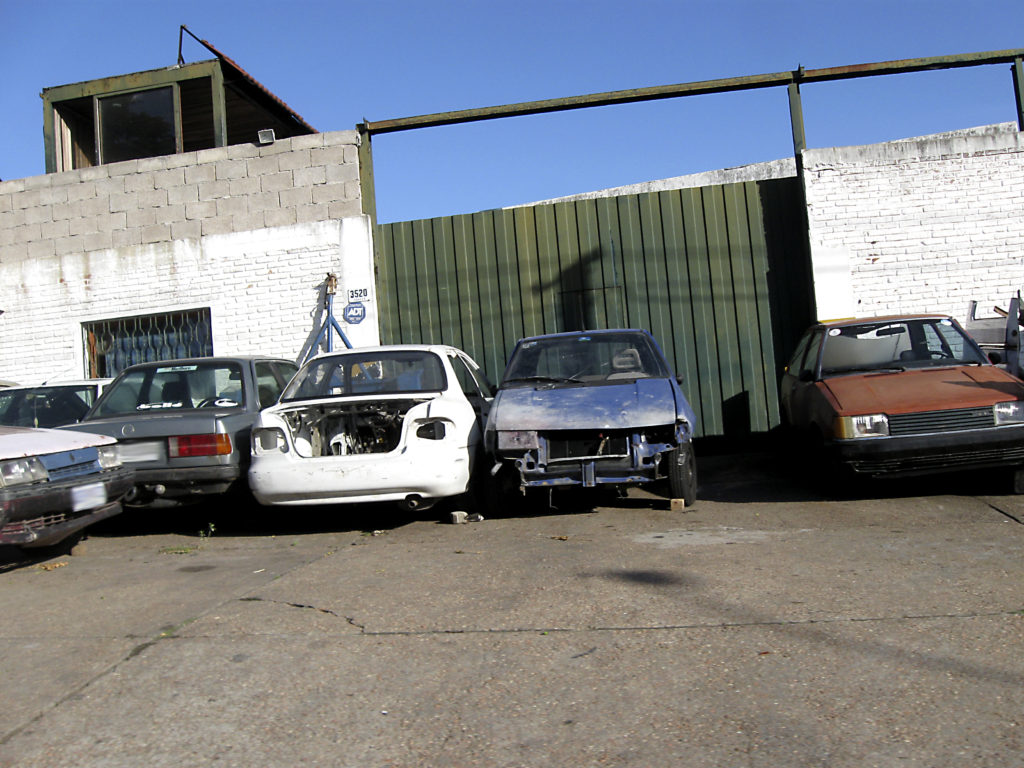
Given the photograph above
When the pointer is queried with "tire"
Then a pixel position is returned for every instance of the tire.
(1017, 480)
(682, 475)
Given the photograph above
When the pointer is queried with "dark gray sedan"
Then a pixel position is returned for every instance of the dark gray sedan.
(184, 425)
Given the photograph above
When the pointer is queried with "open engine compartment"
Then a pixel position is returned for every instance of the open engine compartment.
(348, 429)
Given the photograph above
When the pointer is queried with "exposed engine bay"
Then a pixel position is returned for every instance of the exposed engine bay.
(348, 429)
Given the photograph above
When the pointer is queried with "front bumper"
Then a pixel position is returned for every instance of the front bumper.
(939, 452)
(557, 462)
(42, 514)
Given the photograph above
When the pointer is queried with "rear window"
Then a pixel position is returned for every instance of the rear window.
(174, 387)
(367, 373)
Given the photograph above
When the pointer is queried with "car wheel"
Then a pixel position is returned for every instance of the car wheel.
(1017, 479)
(500, 493)
(682, 475)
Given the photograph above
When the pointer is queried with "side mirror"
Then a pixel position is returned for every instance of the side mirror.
(995, 357)
(679, 379)
(806, 376)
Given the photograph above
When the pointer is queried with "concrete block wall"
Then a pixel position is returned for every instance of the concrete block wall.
(248, 231)
(923, 225)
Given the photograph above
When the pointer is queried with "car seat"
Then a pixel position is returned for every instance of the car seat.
(626, 364)
(175, 392)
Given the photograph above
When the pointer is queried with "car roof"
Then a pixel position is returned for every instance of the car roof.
(842, 322)
(214, 359)
(55, 384)
(437, 348)
(598, 332)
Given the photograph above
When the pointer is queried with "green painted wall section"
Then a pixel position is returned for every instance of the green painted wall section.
(717, 274)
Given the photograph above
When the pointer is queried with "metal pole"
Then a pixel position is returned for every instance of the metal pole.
(1018, 89)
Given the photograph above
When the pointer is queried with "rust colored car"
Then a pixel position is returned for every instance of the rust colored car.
(900, 395)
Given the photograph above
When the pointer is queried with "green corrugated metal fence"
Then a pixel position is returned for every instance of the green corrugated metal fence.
(717, 274)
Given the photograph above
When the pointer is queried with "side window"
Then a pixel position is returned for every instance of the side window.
(944, 344)
(810, 357)
(482, 382)
(285, 371)
(801, 349)
(268, 385)
(467, 381)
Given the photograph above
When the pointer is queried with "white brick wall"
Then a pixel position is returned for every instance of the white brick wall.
(250, 232)
(923, 225)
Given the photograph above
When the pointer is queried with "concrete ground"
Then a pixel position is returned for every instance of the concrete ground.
(766, 626)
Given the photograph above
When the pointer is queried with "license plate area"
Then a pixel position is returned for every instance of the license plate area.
(88, 497)
(140, 451)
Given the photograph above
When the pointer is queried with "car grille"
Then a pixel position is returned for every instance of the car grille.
(588, 444)
(941, 421)
(68, 464)
(950, 459)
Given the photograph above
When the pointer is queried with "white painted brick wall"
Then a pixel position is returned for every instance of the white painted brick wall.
(922, 225)
(250, 232)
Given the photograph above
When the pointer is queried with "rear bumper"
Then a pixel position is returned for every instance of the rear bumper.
(287, 479)
(187, 481)
(45, 513)
(941, 452)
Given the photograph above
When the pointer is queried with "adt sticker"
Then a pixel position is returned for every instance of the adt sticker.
(354, 313)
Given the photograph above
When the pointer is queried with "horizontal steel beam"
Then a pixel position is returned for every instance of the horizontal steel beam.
(690, 89)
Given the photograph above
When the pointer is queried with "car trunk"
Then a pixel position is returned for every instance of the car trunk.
(143, 438)
(350, 428)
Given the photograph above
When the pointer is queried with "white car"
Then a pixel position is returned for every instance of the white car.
(400, 423)
(54, 483)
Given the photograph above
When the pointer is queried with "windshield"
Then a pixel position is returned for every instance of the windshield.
(173, 387)
(585, 359)
(897, 345)
(366, 373)
(45, 406)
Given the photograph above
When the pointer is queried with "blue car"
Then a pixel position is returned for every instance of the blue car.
(589, 409)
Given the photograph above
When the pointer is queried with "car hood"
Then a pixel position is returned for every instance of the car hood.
(17, 442)
(640, 403)
(927, 389)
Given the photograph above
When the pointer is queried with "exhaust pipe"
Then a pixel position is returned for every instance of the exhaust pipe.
(411, 502)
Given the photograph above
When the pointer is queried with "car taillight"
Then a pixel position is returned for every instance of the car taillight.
(184, 446)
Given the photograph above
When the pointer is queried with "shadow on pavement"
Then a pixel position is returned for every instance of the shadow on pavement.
(779, 477)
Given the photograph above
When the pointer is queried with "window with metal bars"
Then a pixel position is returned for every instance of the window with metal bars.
(113, 345)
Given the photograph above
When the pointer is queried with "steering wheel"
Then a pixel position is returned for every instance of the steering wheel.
(209, 402)
(939, 353)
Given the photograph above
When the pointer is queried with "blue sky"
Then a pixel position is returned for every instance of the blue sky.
(337, 63)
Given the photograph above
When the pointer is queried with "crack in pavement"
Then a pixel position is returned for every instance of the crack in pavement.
(351, 620)
(635, 628)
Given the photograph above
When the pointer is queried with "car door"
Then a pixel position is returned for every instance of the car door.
(799, 378)
(474, 384)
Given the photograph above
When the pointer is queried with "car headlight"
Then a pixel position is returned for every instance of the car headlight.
(517, 440)
(269, 440)
(109, 456)
(869, 425)
(20, 471)
(1009, 413)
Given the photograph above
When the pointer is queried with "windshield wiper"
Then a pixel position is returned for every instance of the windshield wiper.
(866, 369)
(549, 379)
